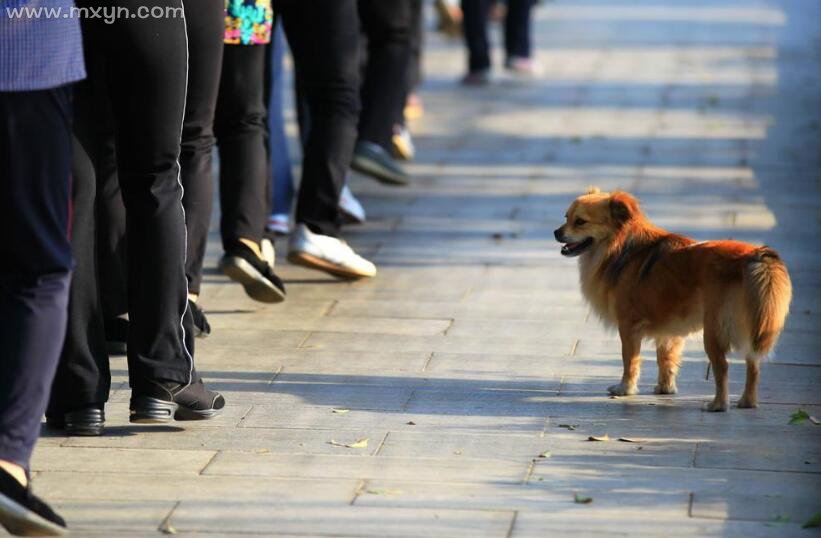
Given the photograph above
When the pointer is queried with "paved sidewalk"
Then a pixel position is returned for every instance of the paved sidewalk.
(469, 374)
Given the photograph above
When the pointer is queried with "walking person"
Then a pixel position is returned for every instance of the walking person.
(241, 138)
(39, 59)
(139, 66)
(324, 40)
(517, 39)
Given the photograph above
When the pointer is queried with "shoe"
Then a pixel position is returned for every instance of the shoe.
(201, 326)
(476, 78)
(156, 402)
(278, 224)
(371, 159)
(521, 66)
(266, 248)
(116, 336)
(351, 209)
(243, 265)
(24, 514)
(84, 422)
(327, 254)
(402, 143)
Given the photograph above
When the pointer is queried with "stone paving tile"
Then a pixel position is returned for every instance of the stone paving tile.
(317, 519)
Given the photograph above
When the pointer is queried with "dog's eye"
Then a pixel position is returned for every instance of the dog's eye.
(579, 222)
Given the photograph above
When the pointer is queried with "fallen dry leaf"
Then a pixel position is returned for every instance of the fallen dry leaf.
(580, 499)
(569, 426)
(339, 410)
(359, 443)
(814, 420)
(630, 440)
(167, 528)
(410, 423)
(604, 437)
(545, 454)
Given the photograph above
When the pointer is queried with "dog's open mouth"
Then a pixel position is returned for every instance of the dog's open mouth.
(574, 249)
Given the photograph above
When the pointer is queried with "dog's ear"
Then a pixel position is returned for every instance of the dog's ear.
(623, 207)
(593, 190)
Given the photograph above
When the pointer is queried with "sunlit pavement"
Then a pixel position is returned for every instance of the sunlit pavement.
(454, 394)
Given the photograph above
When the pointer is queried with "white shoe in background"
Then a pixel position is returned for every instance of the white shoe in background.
(278, 223)
(351, 208)
(328, 254)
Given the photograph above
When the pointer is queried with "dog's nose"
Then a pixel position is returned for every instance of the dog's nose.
(557, 233)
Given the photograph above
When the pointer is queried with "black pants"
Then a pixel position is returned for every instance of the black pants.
(323, 36)
(517, 31)
(141, 65)
(206, 25)
(35, 157)
(240, 126)
(389, 28)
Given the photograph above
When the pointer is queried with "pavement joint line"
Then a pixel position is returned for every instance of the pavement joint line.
(210, 461)
(360, 487)
(451, 321)
(574, 348)
(427, 361)
(381, 444)
(512, 524)
(690, 502)
(276, 375)
(165, 525)
(302, 343)
(330, 308)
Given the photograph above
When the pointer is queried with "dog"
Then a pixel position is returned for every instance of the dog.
(649, 283)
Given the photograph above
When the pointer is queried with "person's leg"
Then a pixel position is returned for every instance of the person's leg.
(476, 38)
(324, 39)
(240, 129)
(281, 176)
(517, 29)
(34, 247)
(205, 25)
(83, 378)
(388, 26)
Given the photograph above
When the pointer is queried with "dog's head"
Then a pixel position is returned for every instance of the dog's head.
(595, 219)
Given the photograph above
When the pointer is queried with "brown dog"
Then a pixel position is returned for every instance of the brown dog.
(649, 283)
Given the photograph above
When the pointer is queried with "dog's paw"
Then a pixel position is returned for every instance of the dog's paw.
(665, 389)
(717, 406)
(747, 403)
(622, 390)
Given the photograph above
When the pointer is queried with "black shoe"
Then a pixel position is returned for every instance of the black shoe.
(156, 402)
(201, 326)
(371, 159)
(23, 514)
(85, 422)
(241, 264)
(116, 336)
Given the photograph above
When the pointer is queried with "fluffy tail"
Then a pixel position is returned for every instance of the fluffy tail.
(768, 292)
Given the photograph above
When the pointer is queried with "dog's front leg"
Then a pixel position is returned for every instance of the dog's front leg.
(630, 349)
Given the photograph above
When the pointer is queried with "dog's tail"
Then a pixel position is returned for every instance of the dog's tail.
(768, 292)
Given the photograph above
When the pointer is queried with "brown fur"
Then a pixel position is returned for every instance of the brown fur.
(649, 283)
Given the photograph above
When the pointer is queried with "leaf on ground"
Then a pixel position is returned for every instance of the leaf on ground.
(383, 491)
(798, 417)
(814, 420)
(630, 440)
(263, 450)
(410, 423)
(569, 426)
(359, 443)
(604, 437)
(340, 410)
(814, 521)
(167, 528)
(545, 454)
(581, 499)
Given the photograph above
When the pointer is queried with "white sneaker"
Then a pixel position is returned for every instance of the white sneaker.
(327, 254)
(278, 223)
(350, 206)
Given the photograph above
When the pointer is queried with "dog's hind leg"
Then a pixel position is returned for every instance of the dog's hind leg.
(630, 349)
(716, 350)
(750, 397)
(668, 356)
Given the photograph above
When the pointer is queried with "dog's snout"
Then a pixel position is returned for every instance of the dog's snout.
(558, 233)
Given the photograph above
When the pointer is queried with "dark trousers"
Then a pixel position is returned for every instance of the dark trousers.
(282, 181)
(389, 28)
(205, 24)
(324, 37)
(242, 141)
(35, 157)
(517, 31)
(140, 64)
